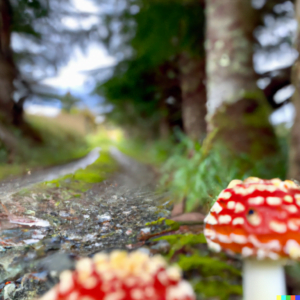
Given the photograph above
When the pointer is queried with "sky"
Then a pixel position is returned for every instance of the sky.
(72, 76)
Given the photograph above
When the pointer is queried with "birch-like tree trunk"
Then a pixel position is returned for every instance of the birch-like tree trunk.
(193, 93)
(294, 159)
(236, 107)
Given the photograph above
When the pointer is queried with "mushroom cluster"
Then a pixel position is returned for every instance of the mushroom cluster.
(121, 276)
(260, 220)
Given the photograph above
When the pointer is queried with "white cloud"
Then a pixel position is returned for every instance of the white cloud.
(72, 76)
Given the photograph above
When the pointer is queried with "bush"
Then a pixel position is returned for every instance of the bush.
(198, 172)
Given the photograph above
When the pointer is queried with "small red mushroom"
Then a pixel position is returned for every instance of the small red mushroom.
(260, 220)
(121, 276)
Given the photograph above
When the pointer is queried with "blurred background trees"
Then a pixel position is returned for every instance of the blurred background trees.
(197, 80)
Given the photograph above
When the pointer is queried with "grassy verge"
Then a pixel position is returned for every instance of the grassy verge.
(60, 144)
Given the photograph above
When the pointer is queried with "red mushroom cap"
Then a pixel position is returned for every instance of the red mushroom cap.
(256, 218)
(121, 276)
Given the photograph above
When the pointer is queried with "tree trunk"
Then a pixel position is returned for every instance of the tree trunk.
(294, 159)
(7, 67)
(235, 105)
(193, 92)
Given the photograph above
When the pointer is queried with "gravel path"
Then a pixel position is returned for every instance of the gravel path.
(108, 215)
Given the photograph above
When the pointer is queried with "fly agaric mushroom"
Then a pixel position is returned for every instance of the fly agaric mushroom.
(259, 219)
(121, 276)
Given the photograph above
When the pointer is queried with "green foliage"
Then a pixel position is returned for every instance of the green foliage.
(212, 276)
(155, 37)
(133, 95)
(24, 13)
(198, 172)
(176, 26)
(152, 153)
(209, 288)
(172, 225)
(60, 145)
(83, 179)
(178, 241)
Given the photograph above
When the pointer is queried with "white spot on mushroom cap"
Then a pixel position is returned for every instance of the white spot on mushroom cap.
(239, 208)
(216, 208)
(261, 187)
(273, 245)
(180, 291)
(174, 273)
(261, 254)
(292, 248)
(231, 204)
(210, 219)
(292, 225)
(273, 255)
(288, 198)
(118, 295)
(277, 226)
(66, 281)
(250, 190)
(224, 219)
(237, 221)
(297, 197)
(274, 200)
(213, 246)
(225, 195)
(240, 191)
(90, 282)
(290, 208)
(149, 291)
(137, 294)
(74, 296)
(256, 200)
(224, 239)
(210, 233)
(246, 251)
(271, 188)
(234, 183)
(51, 295)
(238, 238)
(163, 278)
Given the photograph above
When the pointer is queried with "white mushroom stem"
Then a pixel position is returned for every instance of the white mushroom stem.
(263, 279)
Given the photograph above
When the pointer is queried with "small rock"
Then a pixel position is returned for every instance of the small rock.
(89, 237)
(126, 212)
(152, 208)
(145, 250)
(145, 230)
(8, 291)
(128, 232)
(162, 247)
(63, 214)
(104, 217)
(29, 212)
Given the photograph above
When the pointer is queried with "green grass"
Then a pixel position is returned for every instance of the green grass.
(59, 145)
(199, 172)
